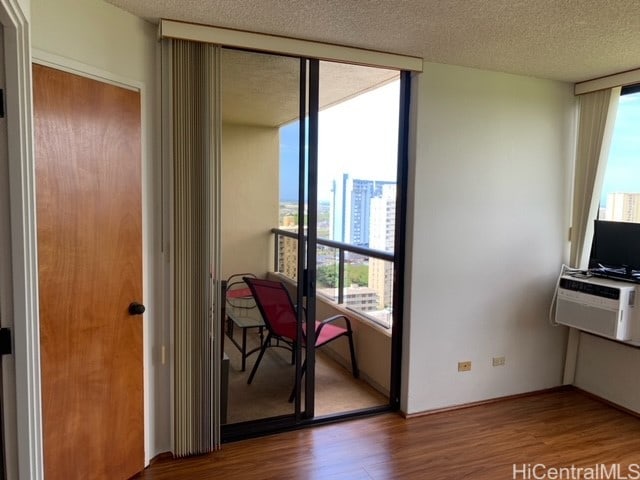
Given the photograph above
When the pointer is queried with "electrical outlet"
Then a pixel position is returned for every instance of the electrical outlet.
(498, 361)
(464, 366)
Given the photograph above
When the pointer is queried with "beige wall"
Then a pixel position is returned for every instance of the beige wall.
(95, 33)
(250, 198)
(371, 342)
(25, 6)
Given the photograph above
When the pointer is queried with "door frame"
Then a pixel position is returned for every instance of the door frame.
(307, 242)
(311, 246)
(78, 68)
(24, 432)
(23, 435)
(304, 414)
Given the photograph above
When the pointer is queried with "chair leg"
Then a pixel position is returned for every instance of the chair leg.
(354, 364)
(293, 392)
(265, 345)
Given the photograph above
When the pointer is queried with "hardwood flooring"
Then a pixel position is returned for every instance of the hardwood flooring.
(559, 429)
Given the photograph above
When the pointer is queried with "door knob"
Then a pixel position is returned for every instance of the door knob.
(136, 308)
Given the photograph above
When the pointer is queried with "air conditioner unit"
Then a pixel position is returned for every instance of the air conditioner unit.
(597, 305)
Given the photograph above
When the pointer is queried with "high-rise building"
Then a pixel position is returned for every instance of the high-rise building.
(357, 297)
(339, 205)
(362, 194)
(382, 237)
(288, 253)
(623, 207)
(350, 208)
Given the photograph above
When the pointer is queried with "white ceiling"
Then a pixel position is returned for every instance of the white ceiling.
(569, 40)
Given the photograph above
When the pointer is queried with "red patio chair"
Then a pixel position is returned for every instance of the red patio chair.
(237, 293)
(280, 318)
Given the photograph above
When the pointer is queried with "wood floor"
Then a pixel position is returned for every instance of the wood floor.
(557, 429)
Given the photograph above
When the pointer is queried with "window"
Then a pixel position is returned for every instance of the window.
(620, 199)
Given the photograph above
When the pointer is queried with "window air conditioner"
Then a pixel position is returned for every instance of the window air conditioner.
(597, 305)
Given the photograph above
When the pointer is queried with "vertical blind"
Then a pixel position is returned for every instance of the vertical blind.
(193, 89)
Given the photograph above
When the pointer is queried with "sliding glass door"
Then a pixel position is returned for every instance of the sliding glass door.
(260, 111)
(357, 185)
(310, 191)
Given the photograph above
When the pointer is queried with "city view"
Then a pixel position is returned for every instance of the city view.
(357, 163)
(620, 199)
(361, 213)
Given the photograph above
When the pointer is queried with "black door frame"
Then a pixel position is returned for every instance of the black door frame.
(306, 289)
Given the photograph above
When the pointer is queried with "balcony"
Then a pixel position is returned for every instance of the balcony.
(369, 307)
(337, 391)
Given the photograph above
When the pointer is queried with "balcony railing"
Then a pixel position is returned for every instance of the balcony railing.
(374, 303)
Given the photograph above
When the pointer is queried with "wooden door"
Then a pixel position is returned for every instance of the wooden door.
(88, 190)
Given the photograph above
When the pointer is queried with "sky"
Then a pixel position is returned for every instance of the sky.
(358, 137)
(623, 168)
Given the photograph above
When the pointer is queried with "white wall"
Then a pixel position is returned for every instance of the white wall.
(250, 197)
(610, 370)
(489, 222)
(94, 36)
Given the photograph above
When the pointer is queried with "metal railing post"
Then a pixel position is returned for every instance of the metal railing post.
(340, 276)
(276, 253)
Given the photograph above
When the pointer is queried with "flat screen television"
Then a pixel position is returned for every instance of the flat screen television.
(615, 250)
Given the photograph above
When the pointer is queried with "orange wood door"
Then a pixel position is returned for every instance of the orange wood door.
(88, 160)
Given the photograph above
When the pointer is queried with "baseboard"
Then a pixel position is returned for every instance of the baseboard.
(161, 457)
(560, 388)
(607, 402)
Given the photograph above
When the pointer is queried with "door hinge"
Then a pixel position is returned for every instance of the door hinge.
(1, 103)
(5, 341)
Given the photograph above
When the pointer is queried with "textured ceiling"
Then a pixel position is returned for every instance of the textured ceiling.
(262, 89)
(569, 40)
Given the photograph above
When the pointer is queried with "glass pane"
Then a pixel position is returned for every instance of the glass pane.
(357, 165)
(620, 200)
(260, 132)
(381, 281)
(614, 249)
(327, 276)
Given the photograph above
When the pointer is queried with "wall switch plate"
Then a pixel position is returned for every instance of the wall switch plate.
(498, 361)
